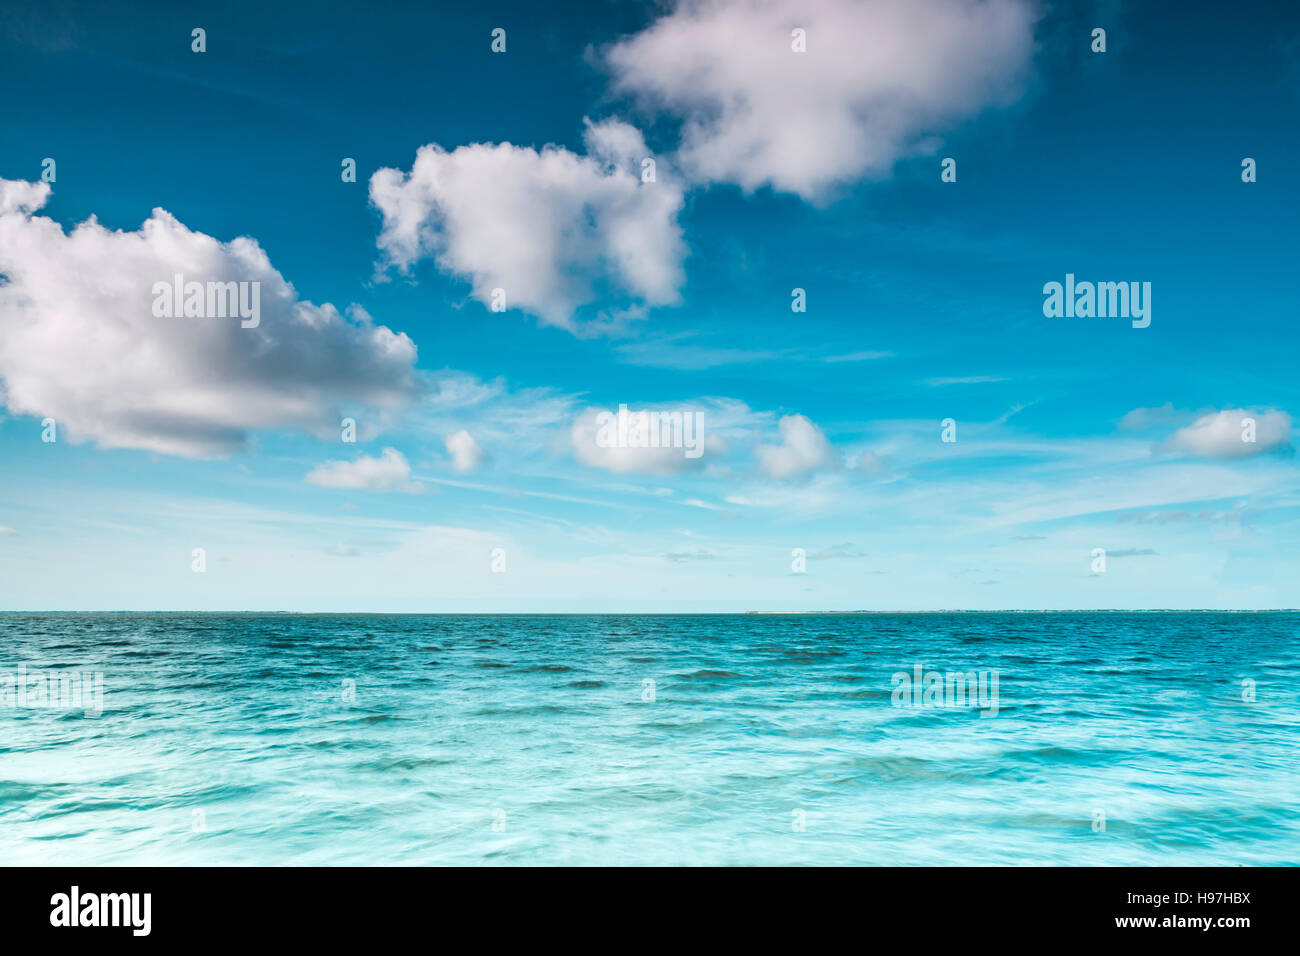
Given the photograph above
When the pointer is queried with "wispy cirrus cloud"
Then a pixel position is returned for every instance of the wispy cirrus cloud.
(1141, 419)
(965, 380)
(684, 351)
(867, 356)
(837, 551)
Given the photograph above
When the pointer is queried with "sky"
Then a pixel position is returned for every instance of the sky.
(793, 272)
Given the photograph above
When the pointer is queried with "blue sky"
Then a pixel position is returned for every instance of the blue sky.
(775, 170)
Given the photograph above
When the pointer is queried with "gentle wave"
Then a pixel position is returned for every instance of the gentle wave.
(1117, 739)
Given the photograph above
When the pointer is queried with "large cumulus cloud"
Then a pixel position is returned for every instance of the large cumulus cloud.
(877, 82)
(79, 341)
(553, 229)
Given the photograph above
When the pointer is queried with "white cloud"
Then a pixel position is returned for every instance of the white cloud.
(525, 421)
(717, 421)
(389, 472)
(870, 463)
(4, 529)
(964, 380)
(803, 448)
(466, 455)
(1220, 434)
(877, 81)
(821, 492)
(859, 357)
(685, 351)
(671, 352)
(700, 503)
(453, 390)
(594, 444)
(22, 198)
(555, 230)
(79, 342)
(845, 550)
(1141, 419)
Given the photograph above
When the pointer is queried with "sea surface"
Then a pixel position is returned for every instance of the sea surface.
(1119, 738)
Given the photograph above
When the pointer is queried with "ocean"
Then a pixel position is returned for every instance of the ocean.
(1071, 738)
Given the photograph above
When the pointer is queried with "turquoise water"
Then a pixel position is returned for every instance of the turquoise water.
(237, 739)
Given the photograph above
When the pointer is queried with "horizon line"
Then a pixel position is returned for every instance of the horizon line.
(1047, 610)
